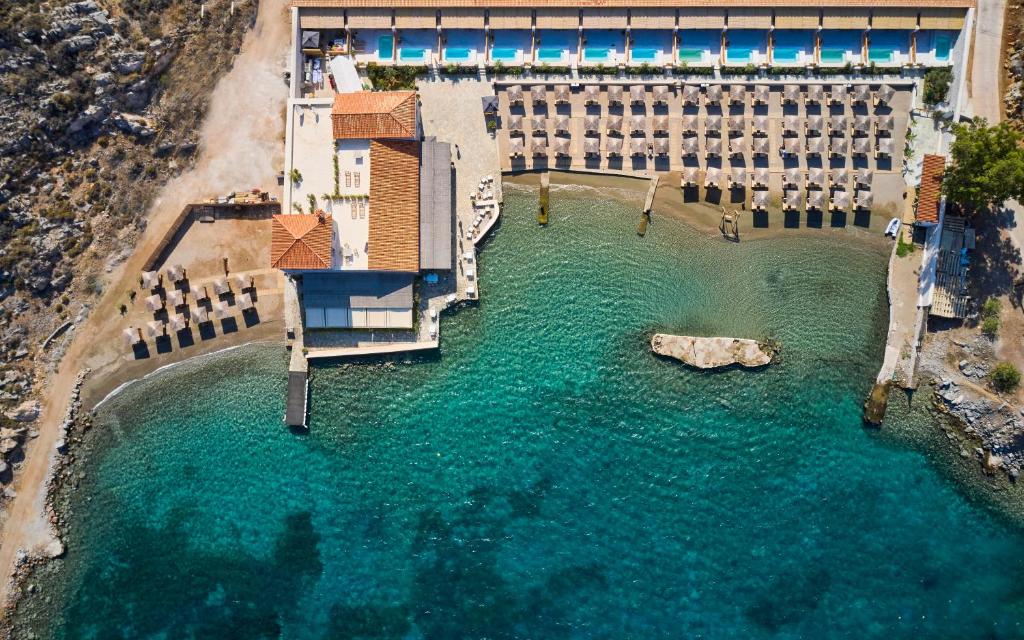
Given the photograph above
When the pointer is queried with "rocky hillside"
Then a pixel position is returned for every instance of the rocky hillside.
(100, 103)
(1014, 44)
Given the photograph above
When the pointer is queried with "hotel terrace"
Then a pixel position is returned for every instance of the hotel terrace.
(617, 33)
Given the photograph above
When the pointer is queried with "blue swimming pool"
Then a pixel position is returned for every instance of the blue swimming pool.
(943, 44)
(787, 54)
(411, 54)
(645, 54)
(550, 54)
(739, 55)
(833, 56)
(458, 54)
(880, 54)
(505, 54)
(386, 47)
(596, 54)
(691, 54)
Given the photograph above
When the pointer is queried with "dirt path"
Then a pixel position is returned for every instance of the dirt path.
(987, 70)
(240, 147)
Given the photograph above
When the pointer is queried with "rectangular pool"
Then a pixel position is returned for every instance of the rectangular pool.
(739, 55)
(458, 54)
(386, 47)
(691, 54)
(596, 54)
(411, 54)
(505, 54)
(833, 56)
(943, 45)
(645, 54)
(550, 54)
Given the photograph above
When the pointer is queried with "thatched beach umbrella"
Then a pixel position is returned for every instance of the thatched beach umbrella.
(538, 94)
(562, 146)
(841, 200)
(838, 94)
(792, 146)
(815, 124)
(176, 322)
(661, 123)
(816, 146)
(885, 146)
(175, 273)
(154, 329)
(539, 125)
(738, 177)
(591, 124)
(690, 176)
(793, 200)
(864, 199)
(132, 336)
(837, 126)
(761, 177)
(790, 125)
(660, 94)
(737, 146)
(760, 200)
(691, 94)
(592, 146)
(615, 94)
(713, 124)
(515, 147)
(221, 310)
(714, 146)
(637, 146)
(515, 122)
(791, 94)
(539, 146)
(815, 177)
(690, 146)
(861, 146)
(861, 93)
(245, 302)
(737, 94)
(712, 177)
(690, 123)
(661, 146)
(221, 286)
(562, 93)
(154, 303)
(884, 125)
(637, 94)
(615, 124)
(864, 178)
(815, 93)
(175, 299)
(150, 280)
(840, 178)
(839, 147)
(592, 94)
(562, 123)
(637, 124)
(515, 94)
(199, 315)
(792, 177)
(816, 200)
(761, 93)
(614, 146)
(737, 124)
(861, 125)
(714, 93)
(760, 125)
(884, 95)
(198, 292)
(761, 146)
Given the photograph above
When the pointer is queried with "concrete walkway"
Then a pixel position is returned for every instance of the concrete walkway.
(986, 70)
(452, 111)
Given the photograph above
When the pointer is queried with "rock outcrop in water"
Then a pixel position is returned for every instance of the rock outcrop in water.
(713, 353)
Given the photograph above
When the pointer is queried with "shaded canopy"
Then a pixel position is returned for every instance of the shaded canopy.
(176, 273)
(198, 292)
(837, 125)
(791, 93)
(660, 92)
(539, 146)
(615, 123)
(592, 146)
(245, 302)
(690, 123)
(690, 175)
(739, 176)
(515, 94)
(761, 93)
(661, 123)
(841, 200)
(562, 93)
(538, 124)
(562, 146)
(791, 124)
(592, 93)
(885, 146)
(592, 123)
(737, 93)
(715, 93)
(861, 146)
(150, 279)
(885, 94)
(816, 199)
(861, 124)
(838, 94)
(177, 321)
(816, 145)
(712, 176)
(815, 93)
(614, 146)
(638, 123)
(515, 147)
(615, 93)
(515, 122)
(538, 93)
(737, 123)
(792, 176)
(713, 124)
(861, 93)
(154, 303)
(661, 146)
(761, 176)
(865, 199)
(174, 298)
(562, 123)
(761, 146)
(760, 124)
(220, 286)
(637, 146)
(840, 178)
(760, 200)
(690, 146)
(714, 146)
(155, 328)
(884, 124)
(816, 176)
(637, 93)
(865, 177)
(737, 146)
(840, 146)
(794, 199)
(691, 94)
(792, 145)
(815, 123)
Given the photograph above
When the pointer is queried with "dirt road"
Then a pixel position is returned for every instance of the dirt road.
(986, 71)
(240, 147)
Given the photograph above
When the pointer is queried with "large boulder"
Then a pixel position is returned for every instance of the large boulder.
(27, 411)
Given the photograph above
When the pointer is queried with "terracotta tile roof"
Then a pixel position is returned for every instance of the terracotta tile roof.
(301, 241)
(394, 243)
(931, 189)
(374, 114)
(530, 4)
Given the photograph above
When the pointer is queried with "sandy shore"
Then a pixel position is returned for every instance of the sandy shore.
(243, 121)
(703, 216)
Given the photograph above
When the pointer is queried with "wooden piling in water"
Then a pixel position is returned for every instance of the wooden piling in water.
(542, 211)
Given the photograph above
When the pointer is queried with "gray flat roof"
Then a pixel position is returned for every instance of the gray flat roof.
(436, 212)
(358, 289)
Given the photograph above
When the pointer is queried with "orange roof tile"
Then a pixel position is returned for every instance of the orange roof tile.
(374, 114)
(532, 4)
(394, 242)
(301, 241)
(931, 189)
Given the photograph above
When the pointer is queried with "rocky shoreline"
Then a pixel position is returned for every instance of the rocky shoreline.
(713, 353)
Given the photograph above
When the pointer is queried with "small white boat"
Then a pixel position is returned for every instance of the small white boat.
(893, 228)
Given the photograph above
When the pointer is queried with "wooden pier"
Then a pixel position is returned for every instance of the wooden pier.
(542, 211)
(297, 407)
(645, 218)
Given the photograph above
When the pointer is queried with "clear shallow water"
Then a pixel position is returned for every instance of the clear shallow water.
(545, 476)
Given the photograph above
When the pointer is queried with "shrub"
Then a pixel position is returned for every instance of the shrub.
(1005, 377)
(990, 316)
(903, 248)
(936, 84)
(990, 326)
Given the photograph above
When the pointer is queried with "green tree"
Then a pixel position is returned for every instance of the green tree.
(1005, 377)
(936, 84)
(987, 167)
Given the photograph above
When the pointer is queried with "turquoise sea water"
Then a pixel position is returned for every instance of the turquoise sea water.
(545, 476)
